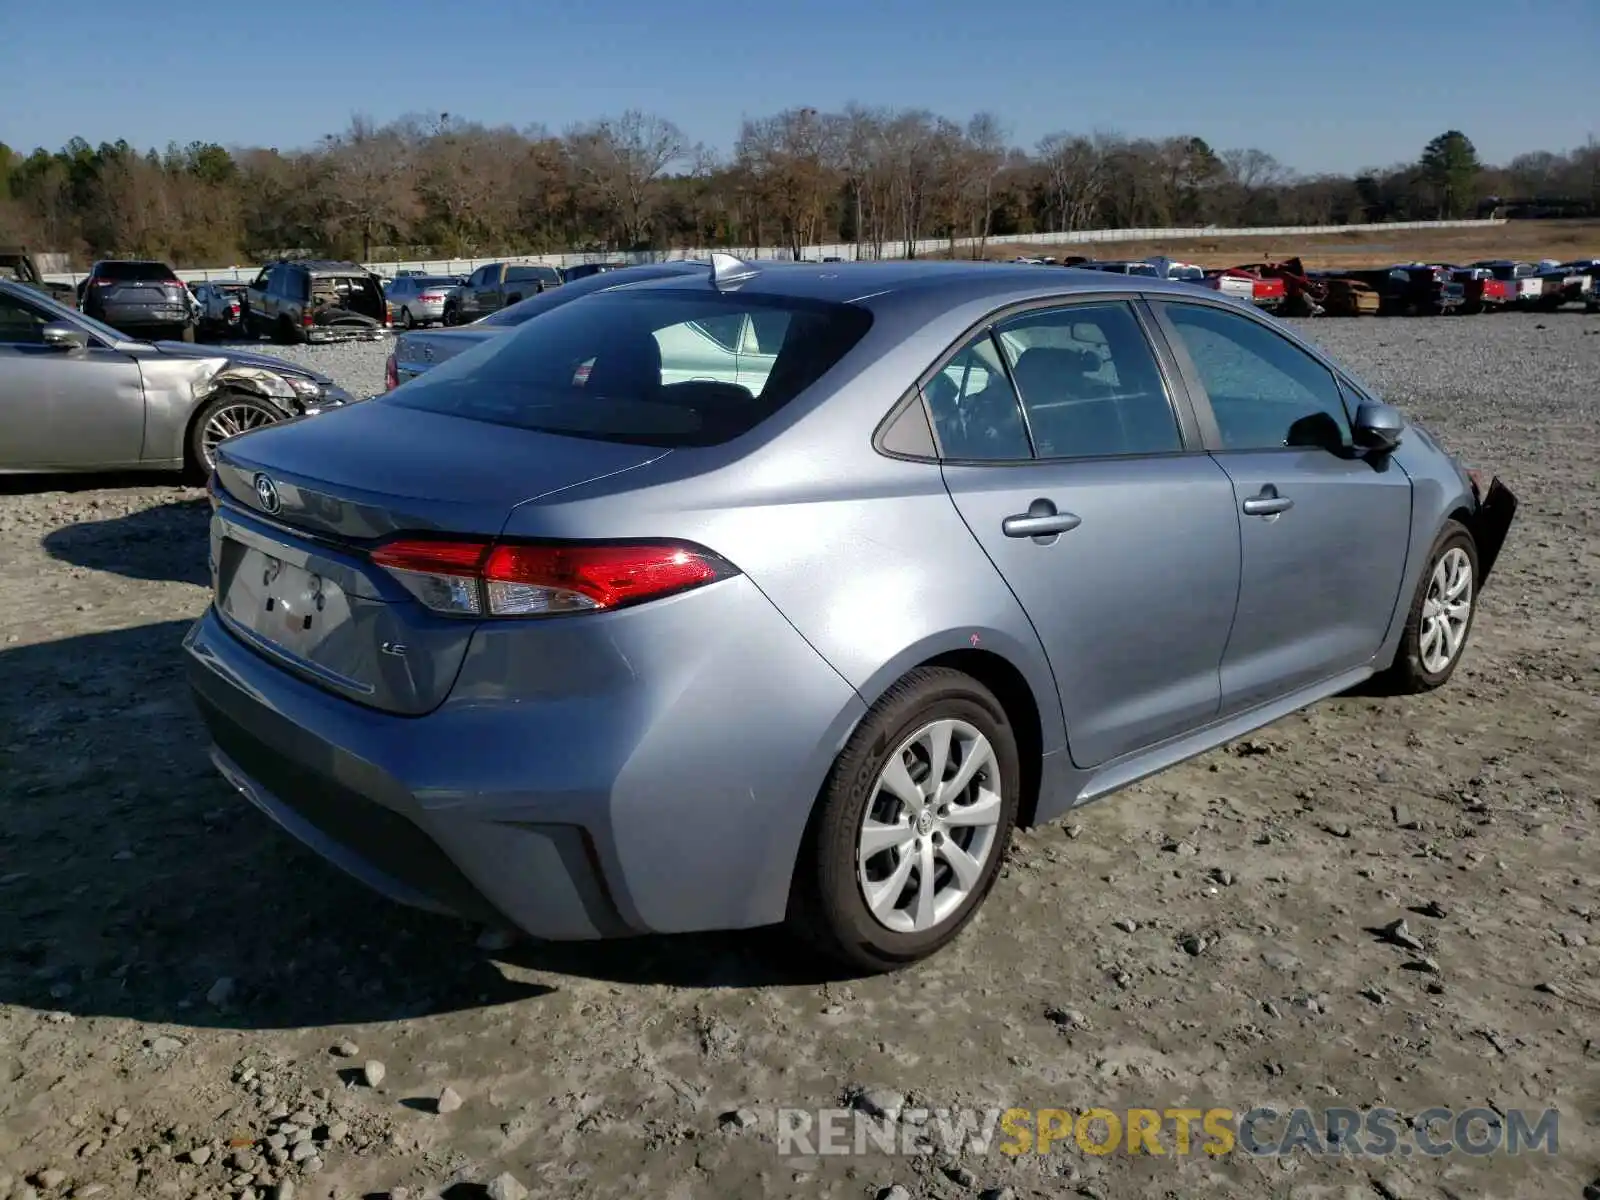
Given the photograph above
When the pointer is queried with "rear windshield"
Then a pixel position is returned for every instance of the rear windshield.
(532, 275)
(656, 368)
(141, 272)
(434, 281)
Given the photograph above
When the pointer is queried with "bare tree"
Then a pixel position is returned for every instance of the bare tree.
(623, 159)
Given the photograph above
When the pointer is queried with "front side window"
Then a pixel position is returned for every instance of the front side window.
(629, 366)
(20, 324)
(1090, 383)
(1266, 393)
(974, 408)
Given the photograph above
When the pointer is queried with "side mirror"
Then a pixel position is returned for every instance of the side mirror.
(1377, 428)
(58, 335)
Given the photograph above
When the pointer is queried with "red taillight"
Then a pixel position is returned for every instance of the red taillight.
(388, 313)
(431, 297)
(305, 318)
(515, 579)
(391, 373)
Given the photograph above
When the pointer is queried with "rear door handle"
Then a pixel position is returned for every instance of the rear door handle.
(1041, 521)
(1267, 503)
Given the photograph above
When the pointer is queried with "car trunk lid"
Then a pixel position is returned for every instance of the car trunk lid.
(304, 503)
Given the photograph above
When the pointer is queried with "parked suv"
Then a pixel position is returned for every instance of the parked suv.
(491, 288)
(140, 298)
(314, 300)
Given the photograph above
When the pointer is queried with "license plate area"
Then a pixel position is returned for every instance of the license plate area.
(288, 606)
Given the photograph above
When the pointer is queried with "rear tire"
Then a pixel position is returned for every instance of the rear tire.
(406, 321)
(284, 332)
(187, 334)
(1418, 664)
(959, 840)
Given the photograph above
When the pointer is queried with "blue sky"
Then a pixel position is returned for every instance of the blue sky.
(1323, 86)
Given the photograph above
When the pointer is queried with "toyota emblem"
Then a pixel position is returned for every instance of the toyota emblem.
(267, 494)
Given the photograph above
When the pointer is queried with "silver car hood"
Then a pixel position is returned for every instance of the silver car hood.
(237, 358)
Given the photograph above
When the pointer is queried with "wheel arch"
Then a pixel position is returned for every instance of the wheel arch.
(224, 384)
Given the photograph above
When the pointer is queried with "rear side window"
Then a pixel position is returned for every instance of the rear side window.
(637, 366)
(975, 412)
(136, 272)
(1090, 383)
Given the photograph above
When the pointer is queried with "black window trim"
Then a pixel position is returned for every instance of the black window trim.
(1185, 412)
(1211, 433)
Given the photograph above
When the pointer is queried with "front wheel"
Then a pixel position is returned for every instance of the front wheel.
(1440, 618)
(911, 825)
(223, 417)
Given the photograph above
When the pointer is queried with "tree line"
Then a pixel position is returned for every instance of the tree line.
(441, 186)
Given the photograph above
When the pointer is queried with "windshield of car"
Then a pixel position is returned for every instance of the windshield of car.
(649, 367)
(140, 272)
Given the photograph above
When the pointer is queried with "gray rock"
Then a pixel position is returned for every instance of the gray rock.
(894, 1192)
(881, 1102)
(372, 1074)
(123, 1117)
(1400, 935)
(1183, 849)
(284, 1190)
(1126, 924)
(739, 1118)
(449, 1100)
(50, 1178)
(346, 1049)
(312, 1165)
(305, 1150)
(200, 1155)
(338, 1131)
(165, 1045)
(999, 1193)
(502, 1187)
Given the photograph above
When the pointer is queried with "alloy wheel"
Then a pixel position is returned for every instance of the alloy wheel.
(1446, 610)
(229, 421)
(929, 826)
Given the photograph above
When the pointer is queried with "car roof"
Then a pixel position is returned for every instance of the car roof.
(885, 286)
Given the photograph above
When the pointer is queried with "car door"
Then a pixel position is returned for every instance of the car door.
(1324, 530)
(1081, 474)
(64, 408)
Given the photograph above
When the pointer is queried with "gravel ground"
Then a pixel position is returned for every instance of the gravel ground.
(192, 1006)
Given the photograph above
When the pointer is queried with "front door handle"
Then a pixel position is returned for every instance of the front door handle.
(1267, 503)
(1041, 522)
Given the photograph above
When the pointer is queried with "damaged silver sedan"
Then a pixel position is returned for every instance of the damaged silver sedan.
(76, 395)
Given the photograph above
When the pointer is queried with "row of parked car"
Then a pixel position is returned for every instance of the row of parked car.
(1409, 289)
(289, 300)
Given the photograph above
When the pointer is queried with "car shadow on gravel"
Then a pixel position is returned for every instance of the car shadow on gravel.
(136, 884)
(163, 543)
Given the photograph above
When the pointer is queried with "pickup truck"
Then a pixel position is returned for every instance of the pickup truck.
(1242, 284)
(495, 286)
(17, 265)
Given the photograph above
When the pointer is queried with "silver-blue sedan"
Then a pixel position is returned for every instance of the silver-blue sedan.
(785, 592)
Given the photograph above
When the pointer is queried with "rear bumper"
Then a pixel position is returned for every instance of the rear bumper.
(649, 796)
